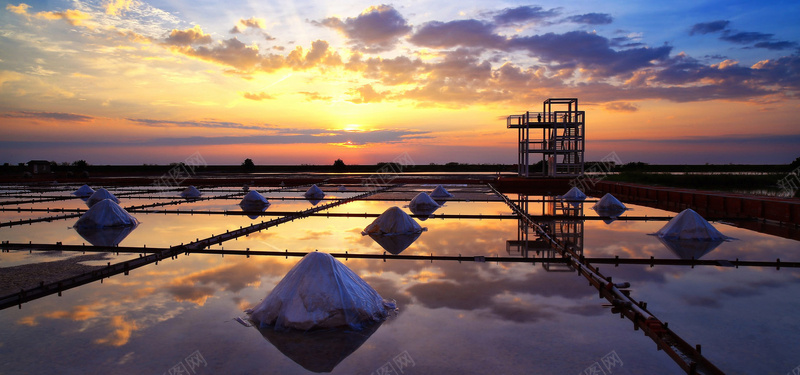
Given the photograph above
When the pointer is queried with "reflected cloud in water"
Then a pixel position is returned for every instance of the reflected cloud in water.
(197, 287)
(121, 331)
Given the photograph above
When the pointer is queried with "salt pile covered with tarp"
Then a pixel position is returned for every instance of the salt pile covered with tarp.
(609, 206)
(393, 221)
(394, 230)
(253, 197)
(99, 195)
(255, 203)
(314, 192)
(573, 194)
(314, 195)
(105, 224)
(423, 205)
(689, 225)
(106, 213)
(441, 192)
(191, 192)
(690, 236)
(83, 191)
(320, 292)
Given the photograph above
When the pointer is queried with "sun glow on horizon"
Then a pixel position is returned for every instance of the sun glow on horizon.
(353, 128)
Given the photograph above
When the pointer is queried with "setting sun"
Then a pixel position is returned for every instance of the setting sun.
(352, 128)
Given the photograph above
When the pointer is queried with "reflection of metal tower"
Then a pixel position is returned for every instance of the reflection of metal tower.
(562, 144)
(565, 225)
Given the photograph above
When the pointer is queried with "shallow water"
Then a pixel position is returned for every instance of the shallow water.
(454, 318)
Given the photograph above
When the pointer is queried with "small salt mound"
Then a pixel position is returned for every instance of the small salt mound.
(573, 194)
(423, 201)
(441, 192)
(391, 222)
(342, 188)
(83, 191)
(314, 192)
(423, 206)
(609, 206)
(253, 197)
(106, 213)
(191, 192)
(689, 225)
(320, 292)
(99, 195)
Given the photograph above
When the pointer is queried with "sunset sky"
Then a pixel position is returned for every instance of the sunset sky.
(307, 82)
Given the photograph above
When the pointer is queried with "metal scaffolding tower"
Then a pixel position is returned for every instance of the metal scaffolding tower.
(562, 142)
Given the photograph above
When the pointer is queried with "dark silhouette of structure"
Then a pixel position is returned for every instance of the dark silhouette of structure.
(562, 142)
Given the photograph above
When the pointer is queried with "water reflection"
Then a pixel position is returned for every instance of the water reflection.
(690, 249)
(396, 243)
(105, 236)
(318, 350)
(313, 201)
(314, 195)
(565, 225)
(254, 209)
(147, 321)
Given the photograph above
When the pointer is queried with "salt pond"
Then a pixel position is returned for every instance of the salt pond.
(454, 317)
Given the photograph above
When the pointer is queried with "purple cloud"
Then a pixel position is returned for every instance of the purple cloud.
(523, 14)
(592, 19)
(377, 29)
(588, 50)
(465, 33)
(709, 27)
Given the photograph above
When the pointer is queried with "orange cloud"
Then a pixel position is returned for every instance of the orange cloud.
(122, 330)
(28, 321)
(135, 37)
(314, 95)
(78, 313)
(258, 96)
(728, 63)
(188, 37)
(255, 23)
(22, 9)
(114, 7)
(72, 16)
(367, 94)
(319, 55)
(81, 312)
